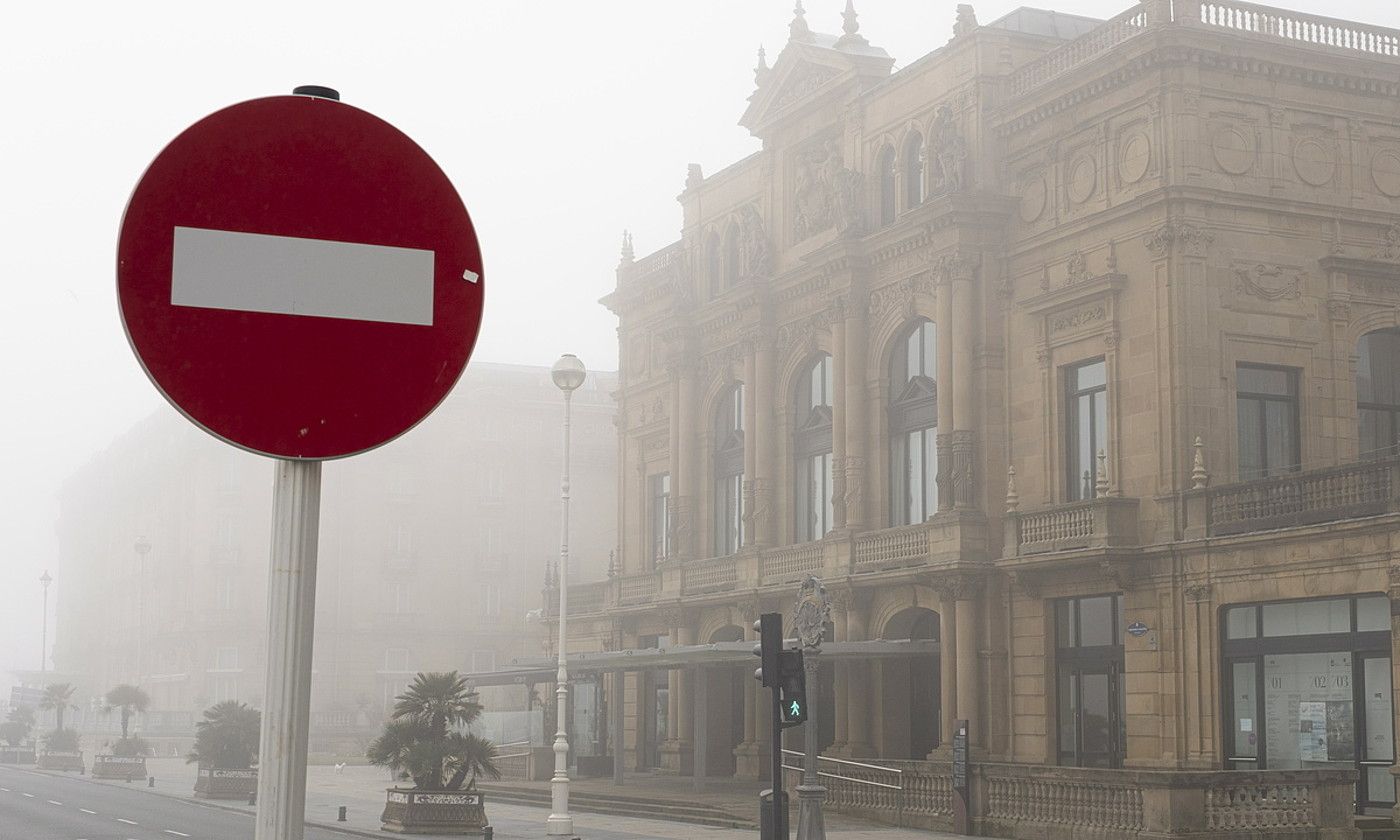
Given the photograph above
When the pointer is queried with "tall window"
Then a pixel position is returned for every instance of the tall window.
(729, 471)
(1086, 427)
(888, 186)
(1378, 393)
(812, 452)
(1266, 402)
(913, 170)
(914, 426)
(659, 516)
(1091, 723)
(732, 264)
(714, 263)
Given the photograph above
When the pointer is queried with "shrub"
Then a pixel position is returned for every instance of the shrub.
(61, 740)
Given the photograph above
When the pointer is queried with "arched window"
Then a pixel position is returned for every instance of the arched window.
(888, 185)
(714, 264)
(913, 170)
(1378, 393)
(732, 264)
(913, 412)
(729, 471)
(812, 452)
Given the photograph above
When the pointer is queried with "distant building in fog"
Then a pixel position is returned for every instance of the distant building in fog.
(432, 550)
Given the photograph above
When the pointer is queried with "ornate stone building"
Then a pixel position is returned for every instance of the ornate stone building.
(1071, 351)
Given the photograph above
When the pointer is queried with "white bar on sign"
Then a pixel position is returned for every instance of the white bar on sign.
(288, 275)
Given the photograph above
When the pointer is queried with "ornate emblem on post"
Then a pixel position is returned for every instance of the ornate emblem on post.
(813, 612)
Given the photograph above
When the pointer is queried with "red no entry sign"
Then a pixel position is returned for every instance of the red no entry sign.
(299, 278)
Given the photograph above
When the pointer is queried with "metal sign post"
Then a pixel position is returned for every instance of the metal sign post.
(813, 612)
(961, 791)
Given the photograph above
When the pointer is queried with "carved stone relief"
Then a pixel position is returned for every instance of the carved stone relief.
(825, 193)
(1385, 172)
(948, 153)
(898, 297)
(1075, 318)
(1190, 239)
(1314, 161)
(1234, 149)
(1268, 282)
(1033, 195)
(1134, 156)
(1082, 179)
(805, 82)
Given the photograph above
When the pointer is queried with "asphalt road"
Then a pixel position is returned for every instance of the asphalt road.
(37, 806)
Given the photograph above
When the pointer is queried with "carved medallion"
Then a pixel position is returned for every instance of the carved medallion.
(1385, 171)
(1134, 157)
(1033, 194)
(812, 613)
(1233, 149)
(1083, 177)
(1313, 162)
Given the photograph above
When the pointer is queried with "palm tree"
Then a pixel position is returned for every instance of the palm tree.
(227, 738)
(417, 744)
(56, 697)
(129, 699)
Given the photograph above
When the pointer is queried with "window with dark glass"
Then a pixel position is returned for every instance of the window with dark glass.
(732, 264)
(659, 516)
(1086, 427)
(1307, 685)
(1089, 684)
(889, 203)
(913, 416)
(1266, 403)
(812, 452)
(729, 472)
(1378, 393)
(913, 170)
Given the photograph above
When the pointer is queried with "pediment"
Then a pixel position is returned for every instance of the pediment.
(807, 72)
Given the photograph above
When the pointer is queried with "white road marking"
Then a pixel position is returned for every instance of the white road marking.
(54, 802)
(290, 275)
(7, 790)
(30, 795)
(128, 822)
(176, 833)
(86, 811)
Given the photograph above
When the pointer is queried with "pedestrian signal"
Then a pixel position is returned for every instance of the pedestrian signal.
(792, 688)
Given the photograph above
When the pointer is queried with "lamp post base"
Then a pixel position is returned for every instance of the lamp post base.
(810, 825)
(559, 825)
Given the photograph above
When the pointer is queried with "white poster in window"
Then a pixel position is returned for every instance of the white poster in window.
(1312, 731)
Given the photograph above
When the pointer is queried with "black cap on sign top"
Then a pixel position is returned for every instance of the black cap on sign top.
(316, 90)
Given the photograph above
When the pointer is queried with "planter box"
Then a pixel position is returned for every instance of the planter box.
(408, 811)
(17, 755)
(119, 767)
(225, 784)
(62, 761)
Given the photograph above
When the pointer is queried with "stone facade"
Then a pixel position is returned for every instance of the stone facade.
(1144, 204)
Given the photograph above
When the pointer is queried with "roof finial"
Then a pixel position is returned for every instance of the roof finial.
(627, 254)
(1013, 499)
(850, 27)
(798, 30)
(760, 72)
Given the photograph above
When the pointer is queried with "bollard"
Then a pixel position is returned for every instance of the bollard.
(151, 782)
(253, 798)
(341, 818)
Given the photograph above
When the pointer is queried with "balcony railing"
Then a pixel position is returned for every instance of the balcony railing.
(1350, 491)
(1086, 47)
(717, 575)
(892, 548)
(1105, 522)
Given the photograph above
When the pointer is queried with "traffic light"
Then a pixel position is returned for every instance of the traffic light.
(792, 688)
(770, 634)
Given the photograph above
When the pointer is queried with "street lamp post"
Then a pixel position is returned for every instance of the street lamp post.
(143, 547)
(568, 373)
(45, 579)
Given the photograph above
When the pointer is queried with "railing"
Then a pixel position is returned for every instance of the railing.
(1091, 44)
(1294, 27)
(332, 720)
(1259, 806)
(862, 787)
(638, 588)
(655, 262)
(789, 563)
(1105, 522)
(513, 765)
(713, 575)
(906, 546)
(1077, 802)
(1305, 498)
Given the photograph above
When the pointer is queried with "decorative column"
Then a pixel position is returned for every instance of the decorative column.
(858, 673)
(944, 363)
(747, 764)
(959, 271)
(839, 410)
(840, 619)
(685, 706)
(764, 444)
(966, 590)
(947, 665)
(676, 371)
(688, 485)
(854, 396)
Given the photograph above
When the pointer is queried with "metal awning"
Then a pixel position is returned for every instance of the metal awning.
(543, 670)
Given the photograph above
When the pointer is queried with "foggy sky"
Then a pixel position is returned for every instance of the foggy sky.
(560, 124)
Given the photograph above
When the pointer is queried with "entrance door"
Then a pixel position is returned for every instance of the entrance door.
(1375, 786)
(1091, 717)
(655, 700)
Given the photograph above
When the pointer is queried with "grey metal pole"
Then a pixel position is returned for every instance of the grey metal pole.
(560, 822)
(291, 614)
(44, 649)
(811, 793)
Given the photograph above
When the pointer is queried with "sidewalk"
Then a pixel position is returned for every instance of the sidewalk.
(361, 791)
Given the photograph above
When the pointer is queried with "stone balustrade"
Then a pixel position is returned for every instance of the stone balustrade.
(1105, 522)
(1085, 48)
(1366, 488)
(932, 545)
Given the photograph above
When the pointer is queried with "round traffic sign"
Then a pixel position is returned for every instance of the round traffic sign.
(299, 278)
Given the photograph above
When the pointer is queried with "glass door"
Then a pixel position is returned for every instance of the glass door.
(1376, 786)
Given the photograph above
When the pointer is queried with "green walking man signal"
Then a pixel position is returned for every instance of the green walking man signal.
(782, 669)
